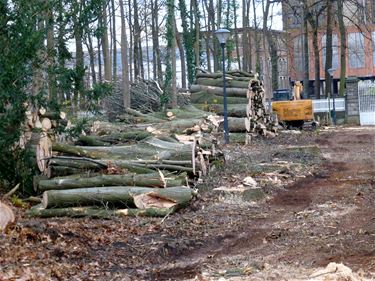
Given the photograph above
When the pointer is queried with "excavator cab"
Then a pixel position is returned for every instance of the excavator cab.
(291, 110)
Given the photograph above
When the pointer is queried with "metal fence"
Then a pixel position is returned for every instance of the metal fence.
(366, 99)
(325, 105)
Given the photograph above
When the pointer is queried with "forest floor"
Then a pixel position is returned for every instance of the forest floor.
(318, 208)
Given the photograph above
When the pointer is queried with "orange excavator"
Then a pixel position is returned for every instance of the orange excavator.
(292, 111)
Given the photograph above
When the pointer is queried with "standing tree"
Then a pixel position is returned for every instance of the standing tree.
(343, 46)
(188, 39)
(20, 42)
(170, 71)
(328, 63)
(124, 59)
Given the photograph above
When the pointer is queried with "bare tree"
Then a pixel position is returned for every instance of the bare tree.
(105, 46)
(328, 63)
(124, 59)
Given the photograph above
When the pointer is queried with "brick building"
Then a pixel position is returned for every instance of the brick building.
(359, 20)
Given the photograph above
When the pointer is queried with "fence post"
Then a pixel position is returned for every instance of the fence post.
(351, 101)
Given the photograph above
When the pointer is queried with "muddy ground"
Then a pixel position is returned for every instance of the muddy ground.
(318, 206)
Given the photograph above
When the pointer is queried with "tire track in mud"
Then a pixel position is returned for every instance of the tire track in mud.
(350, 165)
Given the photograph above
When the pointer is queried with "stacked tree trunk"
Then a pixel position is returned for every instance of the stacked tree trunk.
(245, 97)
(135, 171)
(40, 129)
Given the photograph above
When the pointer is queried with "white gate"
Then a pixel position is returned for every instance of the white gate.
(366, 98)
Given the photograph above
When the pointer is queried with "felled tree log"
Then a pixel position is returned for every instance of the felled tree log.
(116, 138)
(185, 112)
(230, 83)
(232, 75)
(53, 115)
(204, 97)
(231, 92)
(241, 73)
(94, 212)
(111, 195)
(149, 149)
(236, 125)
(180, 125)
(60, 171)
(147, 180)
(62, 166)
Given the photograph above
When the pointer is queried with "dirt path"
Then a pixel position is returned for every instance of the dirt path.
(318, 219)
(329, 217)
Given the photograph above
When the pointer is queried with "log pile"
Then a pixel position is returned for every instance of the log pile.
(138, 171)
(40, 129)
(245, 97)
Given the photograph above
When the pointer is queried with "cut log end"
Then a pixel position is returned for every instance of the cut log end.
(6, 216)
(45, 200)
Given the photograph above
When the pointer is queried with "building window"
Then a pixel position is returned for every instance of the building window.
(356, 50)
(335, 51)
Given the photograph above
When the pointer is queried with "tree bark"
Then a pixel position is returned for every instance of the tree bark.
(90, 50)
(123, 195)
(124, 59)
(136, 36)
(182, 58)
(149, 149)
(256, 40)
(114, 41)
(343, 47)
(236, 40)
(99, 213)
(306, 55)
(211, 99)
(147, 180)
(105, 47)
(328, 63)
(231, 92)
(131, 42)
(113, 138)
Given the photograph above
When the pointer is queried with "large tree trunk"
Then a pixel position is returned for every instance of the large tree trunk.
(90, 50)
(328, 63)
(314, 22)
(113, 138)
(114, 41)
(94, 212)
(182, 57)
(136, 36)
(111, 195)
(197, 34)
(340, 19)
(105, 47)
(231, 92)
(100, 71)
(150, 149)
(316, 62)
(146, 22)
(52, 91)
(80, 67)
(306, 57)
(230, 83)
(131, 42)
(236, 41)
(124, 59)
(257, 41)
(147, 180)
